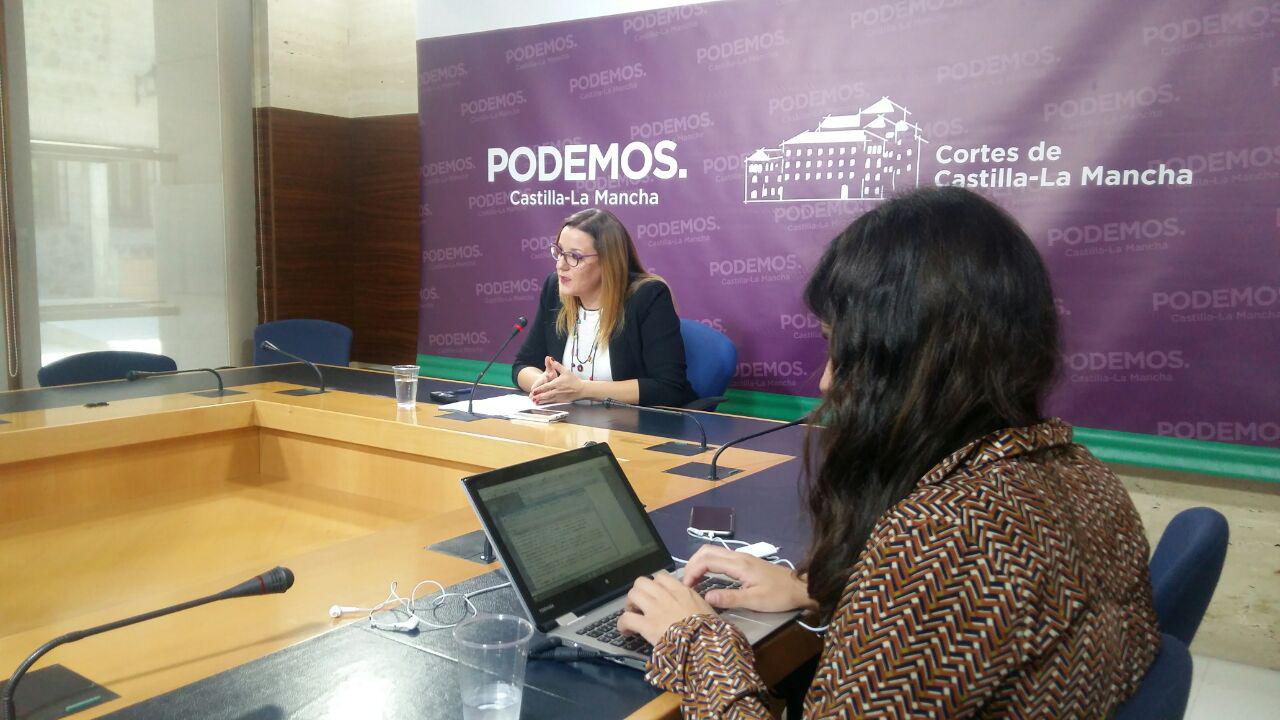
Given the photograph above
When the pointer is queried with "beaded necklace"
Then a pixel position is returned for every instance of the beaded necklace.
(579, 363)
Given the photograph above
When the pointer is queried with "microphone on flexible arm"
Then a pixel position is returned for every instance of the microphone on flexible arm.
(675, 448)
(712, 469)
(273, 581)
(486, 550)
(268, 345)
(519, 325)
(143, 374)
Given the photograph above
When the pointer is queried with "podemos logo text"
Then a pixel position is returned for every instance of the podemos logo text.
(636, 160)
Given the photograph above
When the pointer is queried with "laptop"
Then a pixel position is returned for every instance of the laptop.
(573, 537)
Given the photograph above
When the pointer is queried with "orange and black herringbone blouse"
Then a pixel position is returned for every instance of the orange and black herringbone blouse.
(1012, 582)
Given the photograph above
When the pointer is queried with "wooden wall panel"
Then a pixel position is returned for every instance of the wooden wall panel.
(265, 218)
(305, 198)
(338, 225)
(385, 274)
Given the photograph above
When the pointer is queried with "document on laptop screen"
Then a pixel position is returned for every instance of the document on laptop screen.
(567, 526)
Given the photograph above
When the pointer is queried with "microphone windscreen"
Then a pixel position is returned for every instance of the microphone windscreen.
(521, 322)
(278, 580)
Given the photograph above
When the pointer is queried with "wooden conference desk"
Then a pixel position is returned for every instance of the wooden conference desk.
(162, 496)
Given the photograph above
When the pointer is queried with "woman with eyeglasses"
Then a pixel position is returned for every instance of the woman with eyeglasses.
(605, 328)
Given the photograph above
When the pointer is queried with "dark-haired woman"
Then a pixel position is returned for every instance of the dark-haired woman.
(605, 328)
(969, 558)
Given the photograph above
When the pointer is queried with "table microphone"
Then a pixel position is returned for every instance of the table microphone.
(611, 403)
(268, 345)
(711, 471)
(142, 374)
(515, 330)
(273, 581)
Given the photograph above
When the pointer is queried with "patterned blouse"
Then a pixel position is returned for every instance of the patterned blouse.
(1012, 582)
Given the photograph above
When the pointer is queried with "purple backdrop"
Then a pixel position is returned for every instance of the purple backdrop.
(727, 135)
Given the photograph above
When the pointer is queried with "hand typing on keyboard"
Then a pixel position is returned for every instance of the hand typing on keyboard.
(764, 586)
(653, 605)
(606, 629)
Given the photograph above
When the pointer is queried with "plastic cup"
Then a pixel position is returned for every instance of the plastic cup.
(492, 650)
(406, 385)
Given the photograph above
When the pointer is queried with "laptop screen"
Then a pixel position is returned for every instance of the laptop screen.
(567, 525)
(569, 529)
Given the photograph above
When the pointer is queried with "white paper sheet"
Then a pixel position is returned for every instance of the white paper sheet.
(500, 406)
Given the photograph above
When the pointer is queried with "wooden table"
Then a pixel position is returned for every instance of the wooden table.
(106, 512)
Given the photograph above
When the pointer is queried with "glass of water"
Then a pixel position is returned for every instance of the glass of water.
(406, 385)
(492, 650)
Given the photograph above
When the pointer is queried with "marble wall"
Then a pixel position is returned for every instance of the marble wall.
(346, 58)
(1242, 623)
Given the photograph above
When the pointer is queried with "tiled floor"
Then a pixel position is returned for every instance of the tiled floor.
(1223, 689)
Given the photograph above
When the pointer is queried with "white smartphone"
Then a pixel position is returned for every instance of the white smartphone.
(539, 415)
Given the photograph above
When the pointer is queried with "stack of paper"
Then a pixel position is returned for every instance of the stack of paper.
(501, 406)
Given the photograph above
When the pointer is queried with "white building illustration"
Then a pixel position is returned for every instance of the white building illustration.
(867, 155)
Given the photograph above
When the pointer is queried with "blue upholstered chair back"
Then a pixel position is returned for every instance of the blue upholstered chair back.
(1185, 569)
(101, 365)
(1165, 688)
(711, 358)
(320, 341)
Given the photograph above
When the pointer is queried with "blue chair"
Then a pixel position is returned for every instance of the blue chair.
(101, 365)
(1165, 688)
(320, 341)
(1185, 568)
(711, 359)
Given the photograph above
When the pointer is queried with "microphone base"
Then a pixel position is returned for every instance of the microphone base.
(216, 393)
(465, 416)
(701, 471)
(487, 556)
(57, 686)
(299, 392)
(677, 447)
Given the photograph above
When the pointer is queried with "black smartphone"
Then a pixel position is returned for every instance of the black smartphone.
(448, 396)
(709, 520)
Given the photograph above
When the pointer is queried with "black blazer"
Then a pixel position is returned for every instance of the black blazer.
(647, 348)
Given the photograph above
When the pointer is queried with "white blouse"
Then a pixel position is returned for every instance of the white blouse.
(589, 364)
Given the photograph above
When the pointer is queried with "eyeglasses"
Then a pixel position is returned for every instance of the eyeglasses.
(573, 257)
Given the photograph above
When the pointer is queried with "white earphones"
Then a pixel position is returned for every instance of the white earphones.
(396, 601)
(403, 626)
(338, 611)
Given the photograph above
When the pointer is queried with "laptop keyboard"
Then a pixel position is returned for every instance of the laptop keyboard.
(606, 628)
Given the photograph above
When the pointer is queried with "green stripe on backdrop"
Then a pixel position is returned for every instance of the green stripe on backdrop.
(448, 368)
(1113, 446)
